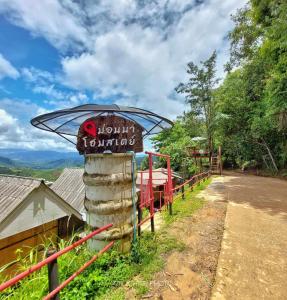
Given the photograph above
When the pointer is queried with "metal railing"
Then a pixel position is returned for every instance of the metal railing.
(147, 194)
(51, 260)
(167, 195)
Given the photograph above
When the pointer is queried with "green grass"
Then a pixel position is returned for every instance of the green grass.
(110, 271)
(105, 278)
(191, 203)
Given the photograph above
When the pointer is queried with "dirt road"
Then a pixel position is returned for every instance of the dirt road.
(253, 259)
(189, 274)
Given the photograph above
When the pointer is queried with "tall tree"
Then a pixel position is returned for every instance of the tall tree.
(199, 93)
(260, 35)
(256, 91)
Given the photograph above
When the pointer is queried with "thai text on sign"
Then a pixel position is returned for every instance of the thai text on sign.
(109, 133)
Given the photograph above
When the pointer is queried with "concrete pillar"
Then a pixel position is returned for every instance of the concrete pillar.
(108, 181)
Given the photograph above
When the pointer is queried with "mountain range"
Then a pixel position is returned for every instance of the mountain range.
(43, 159)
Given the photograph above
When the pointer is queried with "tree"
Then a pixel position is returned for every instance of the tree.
(260, 35)
(199, 93)
(144, 163)
(259, 48)
(175, 142)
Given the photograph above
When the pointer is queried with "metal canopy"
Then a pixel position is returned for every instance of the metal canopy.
(66, 122)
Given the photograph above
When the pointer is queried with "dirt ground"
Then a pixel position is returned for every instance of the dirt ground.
(190, 274)
(253, 259)
(253, 251)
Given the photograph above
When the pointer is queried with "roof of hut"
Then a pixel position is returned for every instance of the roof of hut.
(71, 188)
(159, 176)
(15, 189)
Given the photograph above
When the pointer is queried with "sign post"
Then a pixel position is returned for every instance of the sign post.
(105, 141)
(106, 135)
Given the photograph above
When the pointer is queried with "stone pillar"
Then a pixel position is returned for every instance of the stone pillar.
(108, 181)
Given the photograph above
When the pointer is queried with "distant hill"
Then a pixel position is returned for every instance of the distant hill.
(37, 155)
(39, 159)
(44, 160)
(63, 163)
(7, 162)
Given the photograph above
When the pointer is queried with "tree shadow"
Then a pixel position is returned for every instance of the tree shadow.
(266, 194)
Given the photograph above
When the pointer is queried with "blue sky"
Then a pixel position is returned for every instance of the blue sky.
(56, 54)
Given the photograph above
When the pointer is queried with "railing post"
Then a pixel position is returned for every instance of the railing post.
(170, 193)
(140, 214)
(53, 277)
(151, 205)
(152, 224)
(182, 192)
(170, 208)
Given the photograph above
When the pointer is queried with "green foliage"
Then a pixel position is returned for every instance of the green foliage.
(199, 121)
(106, 276)
(144, 164)
(110, 271)
(247, 113)
(176, 142)
(253, 97)
(199, 93)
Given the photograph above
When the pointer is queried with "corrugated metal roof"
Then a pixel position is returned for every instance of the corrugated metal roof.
(159, 177)
(71, 188)
(13, 190)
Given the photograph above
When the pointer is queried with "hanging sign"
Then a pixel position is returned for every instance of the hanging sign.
(109, 133)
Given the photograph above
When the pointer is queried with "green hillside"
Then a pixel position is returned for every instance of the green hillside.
(50, 175)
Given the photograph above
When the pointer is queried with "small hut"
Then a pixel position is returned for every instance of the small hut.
(159, 179)
(31, 213)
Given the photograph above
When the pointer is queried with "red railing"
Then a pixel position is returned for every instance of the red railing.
(196, 178)
(165, 195)
(147, 193)
(147, 196)
(53, 257)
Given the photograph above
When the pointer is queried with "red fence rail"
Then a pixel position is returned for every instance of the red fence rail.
(53, 257)
(197, 177)
(147, 193)
(167, 195)
(87, 264)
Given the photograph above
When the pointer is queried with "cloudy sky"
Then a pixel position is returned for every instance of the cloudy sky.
(63, 53)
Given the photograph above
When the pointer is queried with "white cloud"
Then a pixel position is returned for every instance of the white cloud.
(22, 110)
(6, 69)
(15, 135)
(58, 24)
(78, 99)
(6, 120)
(143, 64)
(126, 61)
(9, 129)
(49, 90)
(45, 83)
(132, 51)
(37, 76)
